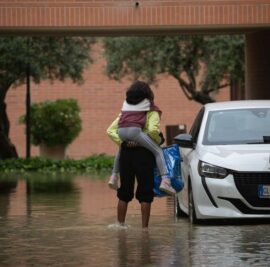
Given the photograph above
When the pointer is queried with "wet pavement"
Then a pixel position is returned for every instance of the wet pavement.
(69, 221)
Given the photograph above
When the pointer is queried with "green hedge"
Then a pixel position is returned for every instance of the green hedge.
(54, 122)
(93, 163)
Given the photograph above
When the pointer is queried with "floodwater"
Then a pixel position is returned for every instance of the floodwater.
(62, 220)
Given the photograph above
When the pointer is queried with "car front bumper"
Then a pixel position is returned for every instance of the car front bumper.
(220, 198)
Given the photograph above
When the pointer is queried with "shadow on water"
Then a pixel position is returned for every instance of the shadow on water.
(63, 220)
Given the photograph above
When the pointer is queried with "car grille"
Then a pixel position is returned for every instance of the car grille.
(247, 184)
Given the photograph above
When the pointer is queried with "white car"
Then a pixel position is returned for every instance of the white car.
(226, 162)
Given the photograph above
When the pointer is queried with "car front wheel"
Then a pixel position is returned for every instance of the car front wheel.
(191, 209)
(177, 209)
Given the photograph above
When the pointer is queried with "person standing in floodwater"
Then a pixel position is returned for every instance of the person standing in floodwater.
(141, 163)
(139, 122)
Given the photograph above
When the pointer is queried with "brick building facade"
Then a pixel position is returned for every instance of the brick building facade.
(125, 16)
(100, 99)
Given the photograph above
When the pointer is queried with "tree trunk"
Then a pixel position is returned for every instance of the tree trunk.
(202, 98)
(7, 149)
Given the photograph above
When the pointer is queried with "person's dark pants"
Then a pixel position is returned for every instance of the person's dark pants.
(136, 162)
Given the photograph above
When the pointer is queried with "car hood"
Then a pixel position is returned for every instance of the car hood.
(238, 157)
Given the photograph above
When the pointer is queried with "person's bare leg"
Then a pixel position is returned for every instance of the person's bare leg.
(145, 210)
(122, 211)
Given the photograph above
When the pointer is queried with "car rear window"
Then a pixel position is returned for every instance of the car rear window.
(238, 126)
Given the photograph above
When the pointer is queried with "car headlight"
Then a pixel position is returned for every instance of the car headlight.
(211, 171)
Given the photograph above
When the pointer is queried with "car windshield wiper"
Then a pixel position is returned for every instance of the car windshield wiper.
(255, 143)
(266, 140)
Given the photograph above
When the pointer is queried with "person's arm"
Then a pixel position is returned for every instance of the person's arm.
(152, 126)
(112, 131)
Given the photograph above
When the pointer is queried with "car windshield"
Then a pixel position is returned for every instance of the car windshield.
(238, 126)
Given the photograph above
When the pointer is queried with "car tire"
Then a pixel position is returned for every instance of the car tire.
(178, 212)
(191, 209)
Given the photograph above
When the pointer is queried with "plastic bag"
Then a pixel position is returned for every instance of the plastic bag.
(173, 162)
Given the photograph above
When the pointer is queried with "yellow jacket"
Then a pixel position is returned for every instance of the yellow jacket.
(151, 128)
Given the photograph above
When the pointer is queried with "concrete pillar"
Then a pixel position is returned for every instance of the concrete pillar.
(258, 65)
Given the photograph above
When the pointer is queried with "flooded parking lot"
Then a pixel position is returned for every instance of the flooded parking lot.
(67, 221)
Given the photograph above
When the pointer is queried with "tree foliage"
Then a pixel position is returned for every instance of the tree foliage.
(48, 57)
(200, 64)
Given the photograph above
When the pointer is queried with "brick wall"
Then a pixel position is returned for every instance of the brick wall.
(100, 100)
(122, 15)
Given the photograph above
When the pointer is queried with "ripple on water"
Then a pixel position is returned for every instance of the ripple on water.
(118, 226)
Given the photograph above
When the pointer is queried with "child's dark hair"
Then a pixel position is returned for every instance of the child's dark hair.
(138, 91)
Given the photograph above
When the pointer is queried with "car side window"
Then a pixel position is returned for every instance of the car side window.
(195, 129)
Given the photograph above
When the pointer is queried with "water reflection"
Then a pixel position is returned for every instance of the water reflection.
(6, 188)
(61, 220)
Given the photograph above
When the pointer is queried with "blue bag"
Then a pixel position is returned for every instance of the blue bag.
(173, 162)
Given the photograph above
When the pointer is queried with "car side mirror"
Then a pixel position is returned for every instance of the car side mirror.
(184, 140)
